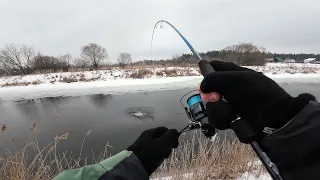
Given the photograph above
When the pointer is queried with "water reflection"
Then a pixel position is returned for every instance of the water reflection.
(26, 101)
(56, 100)
(145, 93)
(100, 100)
(28, 108)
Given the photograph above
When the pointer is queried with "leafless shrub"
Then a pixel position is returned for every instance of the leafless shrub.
(81, 63)
(171, 72)
(245, 54)
(47, 64)
(16, 83)
(309, 70)
(35, 82)
(141, 73)
(290, 71)
(159, 73)
(124, 59)
(66, 59)
(82, 78)
(17, 59)
(69, 79)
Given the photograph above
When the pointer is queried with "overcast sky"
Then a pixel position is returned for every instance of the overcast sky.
(56, 27)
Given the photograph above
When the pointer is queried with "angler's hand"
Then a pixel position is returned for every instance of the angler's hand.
(153, 146)
(251, 95)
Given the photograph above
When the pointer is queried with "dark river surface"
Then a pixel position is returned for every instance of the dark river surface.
(110, 118)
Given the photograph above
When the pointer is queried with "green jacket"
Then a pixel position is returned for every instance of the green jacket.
(122, 166)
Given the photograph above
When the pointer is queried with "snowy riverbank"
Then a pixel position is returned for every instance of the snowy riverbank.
(271, 69)
(117, 81)
(121, 86)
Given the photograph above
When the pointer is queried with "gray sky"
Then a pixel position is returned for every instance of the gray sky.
(56, 27)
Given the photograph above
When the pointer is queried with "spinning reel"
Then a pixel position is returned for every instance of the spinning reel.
(196, 112)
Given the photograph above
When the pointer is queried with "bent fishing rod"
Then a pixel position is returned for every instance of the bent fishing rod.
(204, 66)
(196, 112)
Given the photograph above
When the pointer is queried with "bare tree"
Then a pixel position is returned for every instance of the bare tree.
(94, 53)
(17, 57)
(124, 59)
(175, 59)
(81, 63)
(66, 58)
(245, 54)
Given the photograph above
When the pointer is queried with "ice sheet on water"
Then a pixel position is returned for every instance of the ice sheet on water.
(142, 113)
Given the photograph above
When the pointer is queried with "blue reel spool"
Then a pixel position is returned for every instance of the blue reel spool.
(197, 110)
(194, 99)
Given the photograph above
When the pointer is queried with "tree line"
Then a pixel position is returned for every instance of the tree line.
(24, 59)
(246, 54)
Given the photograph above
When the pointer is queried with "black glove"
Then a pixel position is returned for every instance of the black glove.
(153, 146)
(252, 96)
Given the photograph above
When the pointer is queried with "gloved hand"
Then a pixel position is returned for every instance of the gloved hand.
(153, 146)
(251, 95)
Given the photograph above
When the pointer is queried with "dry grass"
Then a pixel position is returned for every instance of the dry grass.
(309, 70)
(35, 82)
(7, 84)
(72, 69)
(172, 72)
(34, 163)
(80, 69)
(16, 83)
(82, 77)
(141, 73)
(205, 159)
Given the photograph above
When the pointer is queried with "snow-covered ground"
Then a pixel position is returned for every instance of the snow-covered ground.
(117, 80)
(116, 74)
(244, 176)
(271, 69)
(254, 175)
(100, 75)
(251, 176)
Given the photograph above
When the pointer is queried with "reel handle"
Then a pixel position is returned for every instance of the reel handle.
(205, 67)
(208, 131)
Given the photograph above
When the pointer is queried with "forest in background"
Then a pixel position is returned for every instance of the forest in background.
(24, 59)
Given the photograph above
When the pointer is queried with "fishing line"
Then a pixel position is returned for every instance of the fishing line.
(161, 27)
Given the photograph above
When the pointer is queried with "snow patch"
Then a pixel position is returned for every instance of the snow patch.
(252, 176)
(255, 163)
(184, 176)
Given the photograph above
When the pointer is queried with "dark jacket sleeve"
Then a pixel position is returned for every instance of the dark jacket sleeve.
(295, 148)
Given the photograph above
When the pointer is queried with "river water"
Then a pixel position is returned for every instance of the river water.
(116, 120)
